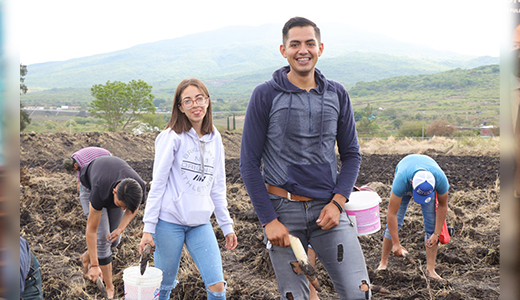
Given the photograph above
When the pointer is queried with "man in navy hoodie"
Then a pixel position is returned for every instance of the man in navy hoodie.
(292, 125)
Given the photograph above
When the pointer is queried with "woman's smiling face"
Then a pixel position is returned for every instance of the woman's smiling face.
(196, 112)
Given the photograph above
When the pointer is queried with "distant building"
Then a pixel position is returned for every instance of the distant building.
(487, 130)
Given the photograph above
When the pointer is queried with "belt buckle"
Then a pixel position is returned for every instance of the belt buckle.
(289, 196)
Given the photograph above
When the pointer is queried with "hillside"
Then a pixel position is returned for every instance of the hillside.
(348, 69)
(457, 96)
(461, 97)
(233, 60)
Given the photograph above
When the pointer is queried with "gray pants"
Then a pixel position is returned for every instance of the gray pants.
(338, 250)
(110, 219)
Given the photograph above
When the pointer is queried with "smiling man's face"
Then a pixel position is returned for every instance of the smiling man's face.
(302, 50)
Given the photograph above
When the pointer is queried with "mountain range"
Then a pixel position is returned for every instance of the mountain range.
(233, 60)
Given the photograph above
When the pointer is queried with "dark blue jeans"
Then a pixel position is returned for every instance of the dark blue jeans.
(429, 214)
(33, 282)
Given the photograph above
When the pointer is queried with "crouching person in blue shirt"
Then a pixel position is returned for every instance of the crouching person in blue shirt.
(420, 177)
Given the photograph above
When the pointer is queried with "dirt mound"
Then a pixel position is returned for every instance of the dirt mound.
(52, 221)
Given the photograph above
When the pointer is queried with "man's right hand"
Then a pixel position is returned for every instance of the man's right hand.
(399, 250)
(277, 233)
(94, 273)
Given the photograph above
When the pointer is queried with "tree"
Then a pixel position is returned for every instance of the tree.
(397, 123)
(440, 128)
(110, 103)
(119, 103)
(159, 102)
(154, 120)
(390, 113)
(140, 98)
(410, 129)
(23, 72)
(367, 126)
(358, 115)
(24, 117)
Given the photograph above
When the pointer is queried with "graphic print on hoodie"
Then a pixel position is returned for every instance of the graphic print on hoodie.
(197, 167)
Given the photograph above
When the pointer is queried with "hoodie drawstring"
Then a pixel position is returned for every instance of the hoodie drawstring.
(286, 122)
(322, 118)
(201, 157)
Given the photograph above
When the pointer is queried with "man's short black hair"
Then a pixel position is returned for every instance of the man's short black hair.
(299, 22)
(130, 192)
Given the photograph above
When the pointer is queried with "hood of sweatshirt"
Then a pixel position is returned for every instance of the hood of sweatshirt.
(279, 82)
(206, 138)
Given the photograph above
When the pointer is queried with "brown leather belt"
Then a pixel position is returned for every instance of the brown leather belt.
(278, 191)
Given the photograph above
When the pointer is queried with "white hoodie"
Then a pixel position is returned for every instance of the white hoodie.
(189, 181)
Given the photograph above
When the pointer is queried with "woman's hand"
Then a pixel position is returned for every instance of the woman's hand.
(231, 241)
(146, 239)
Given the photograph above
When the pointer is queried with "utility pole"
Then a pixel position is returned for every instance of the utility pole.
(423, 125)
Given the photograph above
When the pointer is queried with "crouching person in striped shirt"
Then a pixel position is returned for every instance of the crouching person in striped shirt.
(76, 162)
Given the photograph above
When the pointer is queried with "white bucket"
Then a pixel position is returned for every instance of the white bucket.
(363, 210)
(142, 287)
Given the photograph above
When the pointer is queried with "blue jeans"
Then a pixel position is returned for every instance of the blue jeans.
(338, 249)
(33, 282)
(429, 214)
(203, 248)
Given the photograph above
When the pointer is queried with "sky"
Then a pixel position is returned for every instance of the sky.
(57, 30)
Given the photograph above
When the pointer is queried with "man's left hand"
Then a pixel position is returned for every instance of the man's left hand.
(112, 237)
(329, 217)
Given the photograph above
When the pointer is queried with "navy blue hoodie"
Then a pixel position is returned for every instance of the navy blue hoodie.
(293, 133)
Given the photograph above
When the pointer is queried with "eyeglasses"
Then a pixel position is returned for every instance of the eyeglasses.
(188, 103)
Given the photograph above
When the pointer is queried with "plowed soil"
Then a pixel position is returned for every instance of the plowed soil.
(52, 221)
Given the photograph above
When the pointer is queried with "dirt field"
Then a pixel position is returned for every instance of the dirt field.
(52, 221)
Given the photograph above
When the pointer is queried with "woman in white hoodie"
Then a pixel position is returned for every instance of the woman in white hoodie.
(189, 184)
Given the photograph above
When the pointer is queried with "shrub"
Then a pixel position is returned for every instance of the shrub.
(83, 120)
(411, 129)
(50, 125)
(465, 133)
(439, 128)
